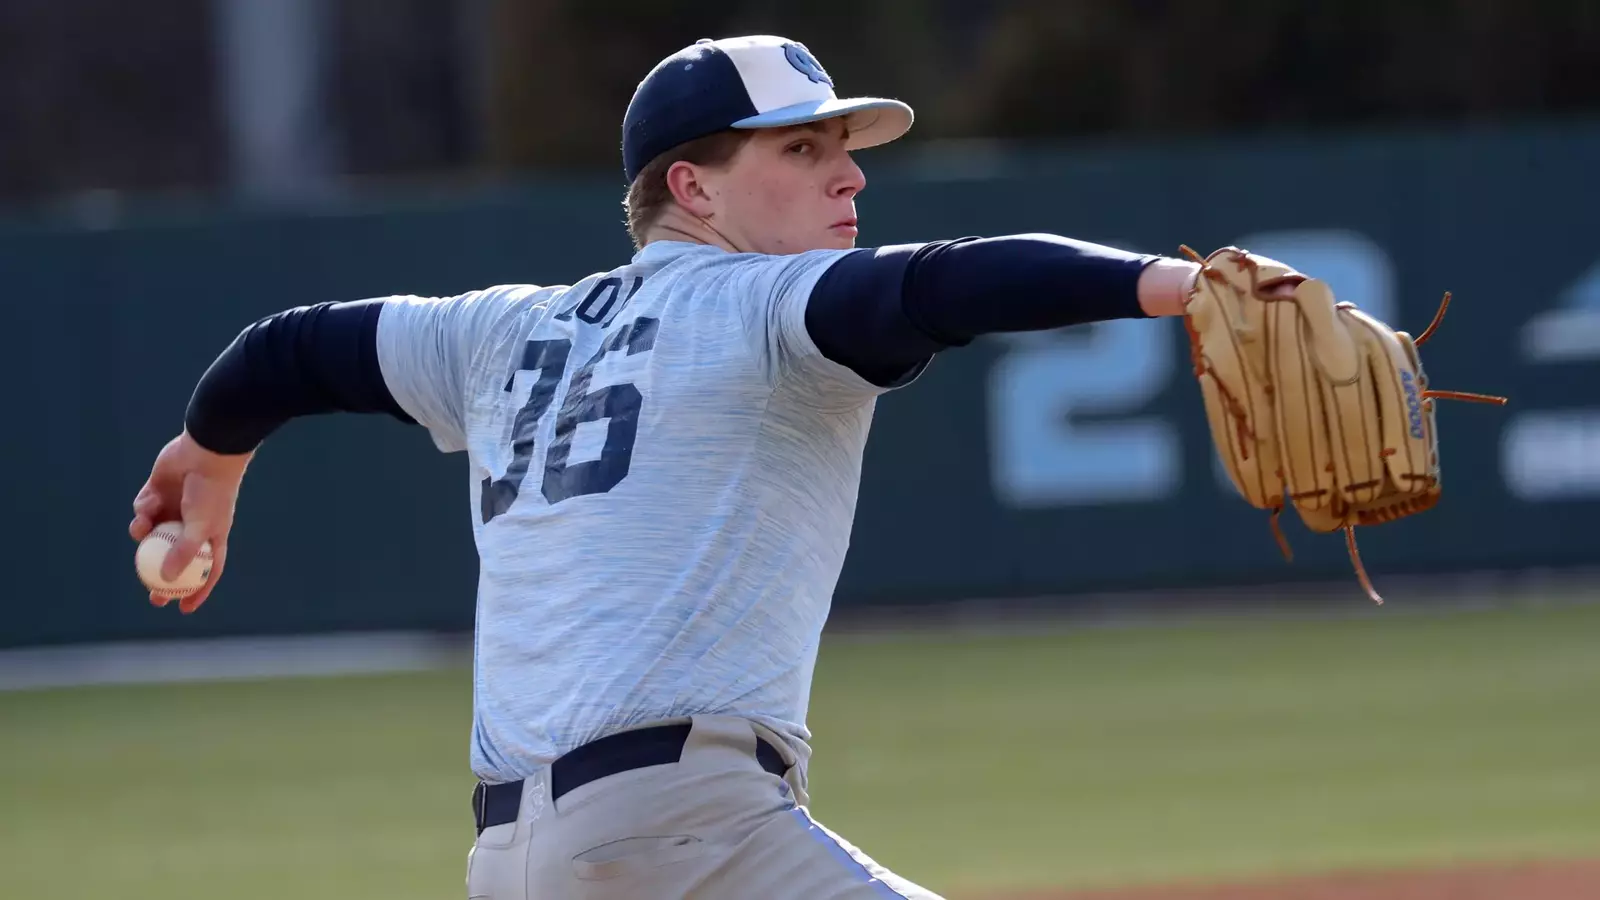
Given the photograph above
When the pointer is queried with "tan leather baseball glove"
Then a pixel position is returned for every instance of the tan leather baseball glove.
(1311, 401)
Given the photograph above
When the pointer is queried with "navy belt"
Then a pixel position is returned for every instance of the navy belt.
(497, 804)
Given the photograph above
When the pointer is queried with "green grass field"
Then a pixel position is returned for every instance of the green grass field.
(1070, 758)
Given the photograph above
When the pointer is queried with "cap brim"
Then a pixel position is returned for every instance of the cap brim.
(871, 120)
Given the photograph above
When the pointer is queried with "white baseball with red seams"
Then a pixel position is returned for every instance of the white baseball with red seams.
(153, 551)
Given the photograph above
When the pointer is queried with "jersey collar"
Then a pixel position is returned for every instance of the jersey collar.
(662, 251)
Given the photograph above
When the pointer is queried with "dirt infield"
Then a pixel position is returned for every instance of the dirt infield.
(1579, 880)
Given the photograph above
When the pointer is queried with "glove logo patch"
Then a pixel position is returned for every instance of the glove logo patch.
(1413, 403)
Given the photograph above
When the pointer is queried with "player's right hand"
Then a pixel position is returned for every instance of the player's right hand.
(199, 488)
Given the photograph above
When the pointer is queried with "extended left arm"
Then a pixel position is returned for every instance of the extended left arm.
(883, 311)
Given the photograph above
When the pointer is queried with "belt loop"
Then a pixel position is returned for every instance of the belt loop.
(725, 736)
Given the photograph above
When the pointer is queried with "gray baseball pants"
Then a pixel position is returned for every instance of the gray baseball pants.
(715, 825)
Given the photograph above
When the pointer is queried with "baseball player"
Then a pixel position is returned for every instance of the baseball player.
(663, 462)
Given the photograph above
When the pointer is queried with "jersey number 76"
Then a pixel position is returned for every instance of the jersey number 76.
(620, 403)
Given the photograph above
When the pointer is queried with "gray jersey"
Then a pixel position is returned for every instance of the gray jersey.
(663, 480)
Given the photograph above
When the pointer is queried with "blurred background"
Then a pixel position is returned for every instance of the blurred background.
(1065, 656)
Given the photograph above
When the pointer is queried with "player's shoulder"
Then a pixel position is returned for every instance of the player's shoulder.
(503, 302)
(478, 316)
(710, 257)
(744, 271)
(518, 294)
(497, 295)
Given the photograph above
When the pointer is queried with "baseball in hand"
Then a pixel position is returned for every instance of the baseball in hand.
(153, 551)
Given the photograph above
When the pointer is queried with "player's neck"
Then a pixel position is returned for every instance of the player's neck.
(677, 224)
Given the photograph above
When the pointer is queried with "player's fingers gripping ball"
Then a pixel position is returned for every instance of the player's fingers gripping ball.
(152, 552)
(1311, 401)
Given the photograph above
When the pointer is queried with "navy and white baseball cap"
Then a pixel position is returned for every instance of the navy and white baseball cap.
(756, 81)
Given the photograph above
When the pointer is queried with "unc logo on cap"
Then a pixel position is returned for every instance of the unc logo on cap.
(804, 63)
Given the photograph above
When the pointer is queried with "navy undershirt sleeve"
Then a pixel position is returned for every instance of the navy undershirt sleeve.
(303, 361)
(884, 311)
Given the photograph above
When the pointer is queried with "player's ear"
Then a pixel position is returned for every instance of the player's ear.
(686, 182)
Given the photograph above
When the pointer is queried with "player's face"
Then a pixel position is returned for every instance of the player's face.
(789, 190)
